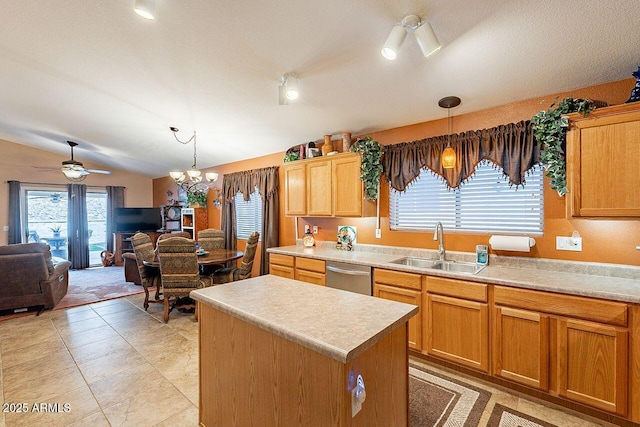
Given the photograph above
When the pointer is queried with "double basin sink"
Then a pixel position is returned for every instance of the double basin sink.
(434, 264)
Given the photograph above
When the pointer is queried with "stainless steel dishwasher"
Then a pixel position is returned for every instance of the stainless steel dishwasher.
(349, 277)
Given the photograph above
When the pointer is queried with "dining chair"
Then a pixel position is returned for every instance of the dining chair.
(211, 239)
(179, 271)
(149, 276)
(231, 274)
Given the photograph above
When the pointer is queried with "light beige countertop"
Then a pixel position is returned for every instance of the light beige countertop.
(606, 281)
(338, 324)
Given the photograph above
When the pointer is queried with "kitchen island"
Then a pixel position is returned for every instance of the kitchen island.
(276, 351)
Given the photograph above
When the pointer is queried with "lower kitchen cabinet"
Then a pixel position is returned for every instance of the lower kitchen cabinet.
(402, 287)
(457, 318)
(311, 270)
(592, 364)
(521, 347)
(282, 265)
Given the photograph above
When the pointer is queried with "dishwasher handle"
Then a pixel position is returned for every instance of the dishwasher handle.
(350, 272)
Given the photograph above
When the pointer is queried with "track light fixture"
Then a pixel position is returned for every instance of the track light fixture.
(423, 32)
(448, 158)
(288, 89)
(145, 8)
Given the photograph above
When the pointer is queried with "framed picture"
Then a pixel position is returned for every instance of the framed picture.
(182, 195)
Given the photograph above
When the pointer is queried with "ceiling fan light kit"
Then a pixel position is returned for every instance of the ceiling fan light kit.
(422, 31)
(145, 8)
(74, 171)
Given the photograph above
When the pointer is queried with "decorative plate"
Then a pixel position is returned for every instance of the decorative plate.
(347, 234)
(173, 213)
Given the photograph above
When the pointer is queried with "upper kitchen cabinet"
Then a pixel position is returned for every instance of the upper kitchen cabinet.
(603, 162)
(326, 186)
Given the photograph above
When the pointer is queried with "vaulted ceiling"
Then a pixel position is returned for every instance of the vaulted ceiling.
(96, 73)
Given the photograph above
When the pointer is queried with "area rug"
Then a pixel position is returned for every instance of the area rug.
(502, 416)
(437, 400)
(96, 284)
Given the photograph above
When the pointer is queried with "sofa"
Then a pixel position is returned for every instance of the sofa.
(29, 277)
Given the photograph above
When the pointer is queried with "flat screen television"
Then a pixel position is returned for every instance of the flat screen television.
(130, 220)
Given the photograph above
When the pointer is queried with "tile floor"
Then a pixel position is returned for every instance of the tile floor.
(114, 364)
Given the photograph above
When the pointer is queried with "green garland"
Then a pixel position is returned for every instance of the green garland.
(197, 197)
(550, 129)
(371, 167)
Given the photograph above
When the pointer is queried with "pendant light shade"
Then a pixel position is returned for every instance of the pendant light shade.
(449, 156)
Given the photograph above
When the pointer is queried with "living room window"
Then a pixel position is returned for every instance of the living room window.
(248, 215)
(485, 204)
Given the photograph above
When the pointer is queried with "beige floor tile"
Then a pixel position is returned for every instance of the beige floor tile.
(24, 335)
(76, 314)
(132, 315)
(71, 407)
(37, 367)
(80, 339)
(188, 385)
(14, 356)
(113, 346)
(106, 303)
(82, 326)
(148, 408)
(127, 384)
(111, 364)
(39, 389)
(139, 330)
(118, 306)
(186, 418)
(96, 420)
(173, 362)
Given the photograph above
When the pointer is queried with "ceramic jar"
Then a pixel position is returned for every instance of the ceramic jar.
(346, 142)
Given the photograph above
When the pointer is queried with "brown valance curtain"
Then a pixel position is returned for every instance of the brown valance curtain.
(267, 182)
(512, 147)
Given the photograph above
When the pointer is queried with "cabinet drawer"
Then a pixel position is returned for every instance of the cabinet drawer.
(310, 264)
(311, 277)
(613, 313)
(456, 288)
(398, 278)
(281, 259)
(281, 270)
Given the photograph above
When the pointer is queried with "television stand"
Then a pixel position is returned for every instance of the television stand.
(122, 243)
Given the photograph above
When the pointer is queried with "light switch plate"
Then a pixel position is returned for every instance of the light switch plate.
(5, 228)
(569, 243)
(378, 233)
(307, 227)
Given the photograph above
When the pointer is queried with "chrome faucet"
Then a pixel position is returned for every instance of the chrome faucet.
(438, 234)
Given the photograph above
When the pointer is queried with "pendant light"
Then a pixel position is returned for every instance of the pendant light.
(449, 155)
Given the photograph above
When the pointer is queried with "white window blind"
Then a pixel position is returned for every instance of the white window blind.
(486, 203)
(248, 215)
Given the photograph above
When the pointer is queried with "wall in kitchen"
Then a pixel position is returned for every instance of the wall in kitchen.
(603, 240)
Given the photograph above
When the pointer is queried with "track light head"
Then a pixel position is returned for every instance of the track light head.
(288, 89)
(423, 32)
(145, 8)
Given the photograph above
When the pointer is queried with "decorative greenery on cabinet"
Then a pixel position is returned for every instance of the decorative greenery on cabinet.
(550, 129)
(197, 197)
(371, 167)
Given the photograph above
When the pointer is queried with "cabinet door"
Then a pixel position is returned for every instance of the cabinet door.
(319, 188)
(602, 152)
(521, 347)
(458, 331)
(347, 187)
(295, 188)
(592, 364)
(407, 296)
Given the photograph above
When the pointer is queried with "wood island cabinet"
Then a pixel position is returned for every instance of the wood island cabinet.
(603, 149)
(457, 319)
(325, 186)
(406, 288)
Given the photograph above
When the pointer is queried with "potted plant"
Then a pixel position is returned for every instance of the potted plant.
(371, 167)
(56, 230)
(197, 198)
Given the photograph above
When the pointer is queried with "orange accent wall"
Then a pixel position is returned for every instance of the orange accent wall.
(608, 241)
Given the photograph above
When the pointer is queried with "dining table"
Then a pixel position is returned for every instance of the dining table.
(214, 256)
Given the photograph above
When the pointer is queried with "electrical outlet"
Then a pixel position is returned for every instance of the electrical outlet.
(358, 395)
(315, 229)
(5, 228)
(378, 233)
(307, 227)
(569, 243)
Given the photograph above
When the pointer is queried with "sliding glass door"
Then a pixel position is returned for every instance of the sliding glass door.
(46, 221)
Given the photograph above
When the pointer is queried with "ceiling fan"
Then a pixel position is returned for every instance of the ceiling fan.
(74, 170)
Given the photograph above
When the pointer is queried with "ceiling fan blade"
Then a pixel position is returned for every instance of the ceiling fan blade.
(98, 171)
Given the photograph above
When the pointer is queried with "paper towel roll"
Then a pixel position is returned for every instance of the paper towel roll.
(512, 243)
